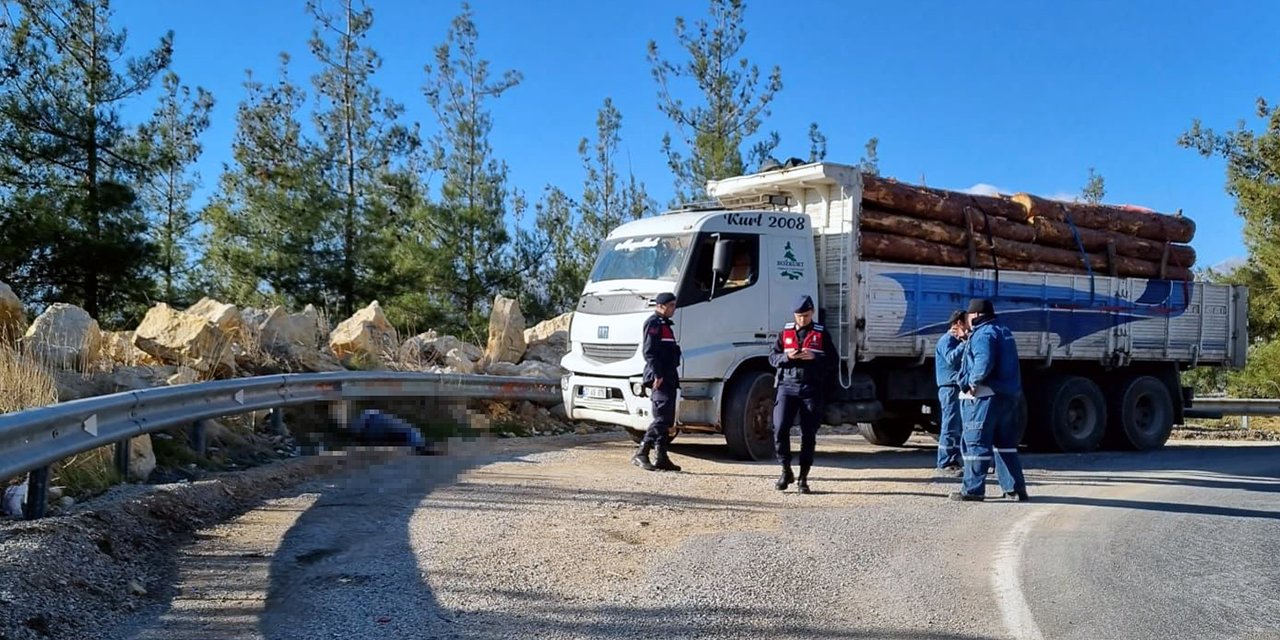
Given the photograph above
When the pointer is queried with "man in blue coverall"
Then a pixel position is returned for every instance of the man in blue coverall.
(948, 357)
(991, 383)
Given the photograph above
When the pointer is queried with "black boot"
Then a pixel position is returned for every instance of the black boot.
(662, 462)
(785, 479)
(803, 483)
(641, 458)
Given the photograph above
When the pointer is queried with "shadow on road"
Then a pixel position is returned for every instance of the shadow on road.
(1167, 507)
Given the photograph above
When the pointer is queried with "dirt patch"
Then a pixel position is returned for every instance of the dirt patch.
(66, 575)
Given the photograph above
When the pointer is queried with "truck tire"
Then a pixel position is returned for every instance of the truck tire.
(748, 416)
(1072, 414)
(887, 433)
(1141, 414)
(1022, 416)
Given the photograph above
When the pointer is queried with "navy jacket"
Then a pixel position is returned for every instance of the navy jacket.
(948, 359)
(661, 353)
(805, 373)
(991, 359)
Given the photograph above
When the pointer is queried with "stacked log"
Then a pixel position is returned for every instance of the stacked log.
(922, 225)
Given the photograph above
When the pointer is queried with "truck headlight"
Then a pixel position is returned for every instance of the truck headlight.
(638, 389)
(564, 382)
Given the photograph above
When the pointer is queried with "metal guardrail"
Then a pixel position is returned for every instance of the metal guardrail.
(32, 440)
(1219, 407)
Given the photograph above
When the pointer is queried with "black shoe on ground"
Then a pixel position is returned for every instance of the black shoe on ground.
(1017, 496)
(960, 496)
(803, 486)
(642, 461)
(664, 463)
(785, 479)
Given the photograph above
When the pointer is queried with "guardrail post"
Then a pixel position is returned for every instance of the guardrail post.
(277, 421)
(37, 494)
(197, 436)
(122, 458)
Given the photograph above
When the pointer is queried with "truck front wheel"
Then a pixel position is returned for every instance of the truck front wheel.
(1143, 409)
(888, 433)
(748, 416)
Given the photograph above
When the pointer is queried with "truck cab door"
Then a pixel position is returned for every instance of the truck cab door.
(790, 272)
(719, 315)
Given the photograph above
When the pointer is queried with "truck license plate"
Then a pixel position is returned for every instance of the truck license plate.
(596, 392)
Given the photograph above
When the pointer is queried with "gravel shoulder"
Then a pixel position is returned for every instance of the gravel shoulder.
(560, 537)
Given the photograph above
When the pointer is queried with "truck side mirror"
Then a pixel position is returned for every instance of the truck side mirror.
(721, 257)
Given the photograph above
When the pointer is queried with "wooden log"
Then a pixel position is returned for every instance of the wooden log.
(1124, 220)
(983, 224)
(937, 243)
(936, 204)
(891, 248)
(1005, 218)
(1059, 234)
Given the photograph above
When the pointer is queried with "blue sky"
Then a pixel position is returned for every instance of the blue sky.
(1024, 96)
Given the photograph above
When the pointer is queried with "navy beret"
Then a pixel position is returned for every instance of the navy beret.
(665, 297)
(802, 304)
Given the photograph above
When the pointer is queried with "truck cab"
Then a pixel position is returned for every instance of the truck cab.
(727, 315)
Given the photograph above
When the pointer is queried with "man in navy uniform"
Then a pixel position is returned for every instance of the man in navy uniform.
(947, 360)
(992, 383)
(662, 378)
(803, 355)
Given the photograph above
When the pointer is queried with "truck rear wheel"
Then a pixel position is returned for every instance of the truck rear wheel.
(1072, 414)
(1142, 414)
(748, 416)
(888, 433)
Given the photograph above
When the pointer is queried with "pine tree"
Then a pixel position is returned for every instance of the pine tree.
(265, 239)
(469, 257)
(1095, 188)
(172, 144)
(817, 144)
(730, 103)
(70, 226)
(870, 162)
(1253, 179)
(361, 147)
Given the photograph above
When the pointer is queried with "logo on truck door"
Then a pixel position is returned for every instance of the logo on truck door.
(790, 267)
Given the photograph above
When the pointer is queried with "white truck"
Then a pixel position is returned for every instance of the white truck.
(1102, 356)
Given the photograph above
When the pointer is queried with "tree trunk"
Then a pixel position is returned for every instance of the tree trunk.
(936, 204)
(1059, 234)
(891, 248)
(1129, 221)
(950, 247)
(1042, 231)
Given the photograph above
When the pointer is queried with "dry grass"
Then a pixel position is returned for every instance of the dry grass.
(24, 382)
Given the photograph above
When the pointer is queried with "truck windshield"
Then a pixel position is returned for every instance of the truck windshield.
(642, 258)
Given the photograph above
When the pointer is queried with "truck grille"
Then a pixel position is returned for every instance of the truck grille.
(608, 352)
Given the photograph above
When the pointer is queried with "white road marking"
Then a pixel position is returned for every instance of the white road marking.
(1007, 584)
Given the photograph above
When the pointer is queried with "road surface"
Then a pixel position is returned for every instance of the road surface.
(562, 538)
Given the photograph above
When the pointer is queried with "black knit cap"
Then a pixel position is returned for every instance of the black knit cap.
(802, 304)
(981, 306)
(956, 316)
(665, 297)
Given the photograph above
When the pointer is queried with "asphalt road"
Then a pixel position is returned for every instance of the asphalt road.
(561, 538)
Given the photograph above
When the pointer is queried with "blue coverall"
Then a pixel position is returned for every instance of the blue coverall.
(948, 358)
(990, 423)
